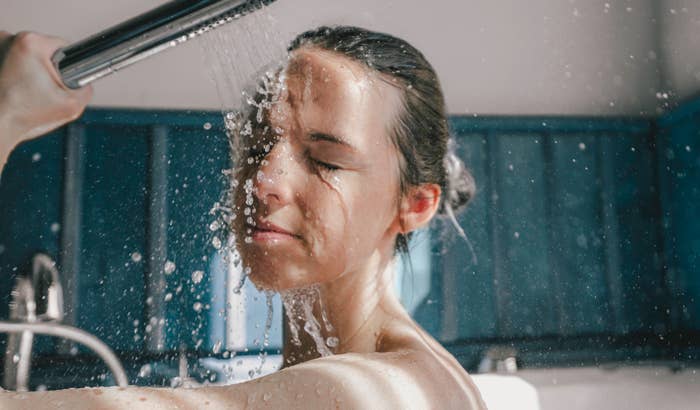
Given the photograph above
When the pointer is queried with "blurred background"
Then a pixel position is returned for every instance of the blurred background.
(580, 121)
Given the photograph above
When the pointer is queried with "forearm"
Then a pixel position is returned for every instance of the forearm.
(130, 398)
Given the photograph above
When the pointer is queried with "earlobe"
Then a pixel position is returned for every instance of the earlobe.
(418, 206)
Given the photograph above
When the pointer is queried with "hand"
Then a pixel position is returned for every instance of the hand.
(33, 99)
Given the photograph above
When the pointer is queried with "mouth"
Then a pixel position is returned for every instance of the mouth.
(263, 231)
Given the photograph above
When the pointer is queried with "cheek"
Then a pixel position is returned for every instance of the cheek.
(327, 222)
(353, 218)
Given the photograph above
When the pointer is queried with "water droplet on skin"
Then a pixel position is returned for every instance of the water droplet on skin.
(15, 358)
(197, 306)
(332, 341)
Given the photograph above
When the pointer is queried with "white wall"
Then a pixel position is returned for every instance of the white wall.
(493, 56)
(680, 46)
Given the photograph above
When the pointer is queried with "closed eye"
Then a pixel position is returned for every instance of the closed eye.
(325, 165)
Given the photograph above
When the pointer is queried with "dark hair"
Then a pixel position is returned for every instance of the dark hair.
(421, 132)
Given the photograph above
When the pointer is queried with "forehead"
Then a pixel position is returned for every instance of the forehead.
(339, 94)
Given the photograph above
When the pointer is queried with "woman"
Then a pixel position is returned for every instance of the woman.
(341, 162)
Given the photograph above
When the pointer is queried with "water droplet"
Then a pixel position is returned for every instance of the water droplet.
(217, 347)
(216, 242)
(197, 306)
(214, 226)
(145, 370)
(582, 146)
(55, 227)
(197, 276)
(136, 257)
(168, 297)
(36, 157)
(169, 267)
(332, 341)
(207, 126)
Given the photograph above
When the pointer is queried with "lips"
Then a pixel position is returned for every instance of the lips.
(264, 230)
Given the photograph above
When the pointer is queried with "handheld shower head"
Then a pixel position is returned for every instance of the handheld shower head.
(147, 34)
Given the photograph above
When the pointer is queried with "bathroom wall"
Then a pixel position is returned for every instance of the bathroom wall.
(680, 45)
(494, 57)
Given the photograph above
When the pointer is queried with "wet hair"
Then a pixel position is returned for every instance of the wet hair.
(420, 131)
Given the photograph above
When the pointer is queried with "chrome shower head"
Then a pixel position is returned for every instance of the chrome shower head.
(147, 34)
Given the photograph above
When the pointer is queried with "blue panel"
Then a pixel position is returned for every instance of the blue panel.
(195, 182)
(469, 305)
(679, 159)
(111, 283)
(30, 197)
(636, 206)
(525, 287)
(576, 237)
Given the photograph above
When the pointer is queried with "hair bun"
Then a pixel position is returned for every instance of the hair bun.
(460, 186)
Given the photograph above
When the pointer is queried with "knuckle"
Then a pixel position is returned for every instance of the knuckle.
(24, 40)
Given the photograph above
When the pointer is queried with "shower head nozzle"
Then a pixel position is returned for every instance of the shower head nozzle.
(147, 34)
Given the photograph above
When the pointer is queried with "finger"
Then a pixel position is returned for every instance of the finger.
(83, 95)
(5, 42)
(5, 35)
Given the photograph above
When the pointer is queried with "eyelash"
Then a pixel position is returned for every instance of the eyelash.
(260, 154)
(324, 165)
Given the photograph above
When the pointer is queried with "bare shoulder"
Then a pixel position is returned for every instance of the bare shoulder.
(403, 380)
(409, 379)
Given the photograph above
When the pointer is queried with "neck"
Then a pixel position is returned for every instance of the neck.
(356, 305)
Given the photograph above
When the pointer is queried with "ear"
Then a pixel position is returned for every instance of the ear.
(418, 206)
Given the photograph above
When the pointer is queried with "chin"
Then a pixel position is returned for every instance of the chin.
(278, 278)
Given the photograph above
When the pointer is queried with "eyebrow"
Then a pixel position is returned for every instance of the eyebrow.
(320, 136)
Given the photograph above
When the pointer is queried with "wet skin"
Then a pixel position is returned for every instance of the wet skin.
(328, 210)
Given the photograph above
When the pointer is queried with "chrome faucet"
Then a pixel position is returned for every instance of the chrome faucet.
(37, 308)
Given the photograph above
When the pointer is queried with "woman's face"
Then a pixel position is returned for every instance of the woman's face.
(322, 187)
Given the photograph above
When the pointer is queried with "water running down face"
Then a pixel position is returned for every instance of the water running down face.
(323, 186)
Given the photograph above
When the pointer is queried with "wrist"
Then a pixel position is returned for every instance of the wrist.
(10, 129)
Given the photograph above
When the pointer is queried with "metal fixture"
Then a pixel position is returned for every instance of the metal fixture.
(499, 359)
(37, 308)
(147, 34)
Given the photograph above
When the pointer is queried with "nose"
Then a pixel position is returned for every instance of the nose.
(275, 183)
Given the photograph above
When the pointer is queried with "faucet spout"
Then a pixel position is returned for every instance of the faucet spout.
(76, 335)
